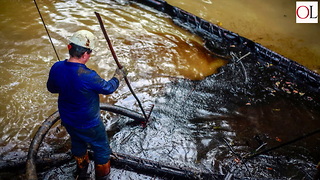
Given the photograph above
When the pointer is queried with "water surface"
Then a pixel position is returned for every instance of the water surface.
(167, 67)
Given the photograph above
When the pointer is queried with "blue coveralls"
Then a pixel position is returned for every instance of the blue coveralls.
(78, 103)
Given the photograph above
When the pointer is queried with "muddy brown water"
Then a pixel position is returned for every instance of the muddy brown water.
(167, 66)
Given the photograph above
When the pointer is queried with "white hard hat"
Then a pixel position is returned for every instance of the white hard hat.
(84, 38)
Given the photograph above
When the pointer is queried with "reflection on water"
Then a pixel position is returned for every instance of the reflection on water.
(155, 52)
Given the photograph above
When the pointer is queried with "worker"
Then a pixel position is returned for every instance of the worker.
(78, 103)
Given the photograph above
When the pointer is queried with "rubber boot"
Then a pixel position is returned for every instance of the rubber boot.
(82, 167)
(317, 175)
(102, 171)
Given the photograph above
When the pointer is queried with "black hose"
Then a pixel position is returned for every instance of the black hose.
(36, 141)
(31, 172)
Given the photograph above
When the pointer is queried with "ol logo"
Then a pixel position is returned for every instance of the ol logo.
(307, 12)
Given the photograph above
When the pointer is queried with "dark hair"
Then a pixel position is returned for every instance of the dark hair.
(78, 51)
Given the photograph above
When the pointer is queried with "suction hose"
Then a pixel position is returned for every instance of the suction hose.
(31, 172)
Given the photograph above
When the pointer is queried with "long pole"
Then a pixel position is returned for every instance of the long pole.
(284, 144)
(118, 63)
(44, 24)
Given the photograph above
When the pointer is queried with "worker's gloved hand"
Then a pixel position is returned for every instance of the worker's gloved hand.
(120, 73)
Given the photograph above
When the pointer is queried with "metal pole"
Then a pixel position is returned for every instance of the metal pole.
(284, 144)
(118, 63)
(44, 24)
